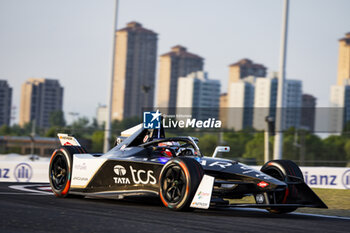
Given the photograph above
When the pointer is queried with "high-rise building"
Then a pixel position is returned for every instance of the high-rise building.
(39, 98)
(243, 72)
(292, 105)
(245, 68)
(339, 108)
(5, 103)
(241, 104)
(308, 112)
(134, 73)
(223, 110)
(344, 59)
(101, 114)
(339, 113)
(198, 96)
(177, 63)
(264, 101)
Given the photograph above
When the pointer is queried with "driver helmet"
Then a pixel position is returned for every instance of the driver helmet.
(167, 152)
(169, 144)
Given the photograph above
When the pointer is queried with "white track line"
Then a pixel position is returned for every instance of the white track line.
(26, 193)
(45, 188)
(25, 189)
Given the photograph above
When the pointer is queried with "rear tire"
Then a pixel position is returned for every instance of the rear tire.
(179, 180)
(60, 169)
(286, 171)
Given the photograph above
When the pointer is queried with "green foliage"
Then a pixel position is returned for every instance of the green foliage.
(80, 123)
(207, 144)
(347, 149)
(52, 131)
(290, 148)
(314, 147)
(255, 147)
(15, 130)
(80, 128)
(5, 130)
(97, 141)
(119, 126)
(57, 119)
(334, 147)
(237, 142)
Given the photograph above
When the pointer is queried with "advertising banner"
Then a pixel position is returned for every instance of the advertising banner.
(28, 171)
(37, 171)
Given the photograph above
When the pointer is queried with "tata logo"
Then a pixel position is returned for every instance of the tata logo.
(151, 120)
(346, 179)
(120, 171)
(23, 172)
(142, 176)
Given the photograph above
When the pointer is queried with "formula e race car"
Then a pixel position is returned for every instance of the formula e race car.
(145, 162)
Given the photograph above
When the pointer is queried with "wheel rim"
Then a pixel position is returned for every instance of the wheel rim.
(174, 184)
(59, 171)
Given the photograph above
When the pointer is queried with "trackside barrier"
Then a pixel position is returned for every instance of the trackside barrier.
(24, 171)
(37, 171)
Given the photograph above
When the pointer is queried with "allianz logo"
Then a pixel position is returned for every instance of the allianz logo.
(138, 176)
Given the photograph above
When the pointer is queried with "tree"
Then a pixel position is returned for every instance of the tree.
(207, 144)
(57, 119)
(347, 149)
(314, 148)
(335, 149)
(254, 149)
(290, 145)
(97, 141)
(237, 142)
(5, 130)
(16, 130)
(80, 128)
(52, 132)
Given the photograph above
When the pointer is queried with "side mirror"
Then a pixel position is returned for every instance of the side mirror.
(220, 149)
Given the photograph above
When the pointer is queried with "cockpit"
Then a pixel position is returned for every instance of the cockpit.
(155, 140)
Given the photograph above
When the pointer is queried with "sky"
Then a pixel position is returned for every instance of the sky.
(72, 40)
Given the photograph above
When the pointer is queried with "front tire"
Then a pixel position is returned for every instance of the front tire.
(286, 171)
(179, 180)
(60, 169)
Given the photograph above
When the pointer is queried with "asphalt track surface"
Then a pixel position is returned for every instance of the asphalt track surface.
(33, 208)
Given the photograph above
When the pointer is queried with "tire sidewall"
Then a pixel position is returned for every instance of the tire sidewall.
(65, 190)
(192, 182)
(285, 168)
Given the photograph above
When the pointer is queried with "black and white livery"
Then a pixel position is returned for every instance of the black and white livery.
(145, 162)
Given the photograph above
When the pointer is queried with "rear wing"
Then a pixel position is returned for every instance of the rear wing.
(67, 140)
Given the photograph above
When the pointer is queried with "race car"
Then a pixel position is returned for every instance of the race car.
(143, 162)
